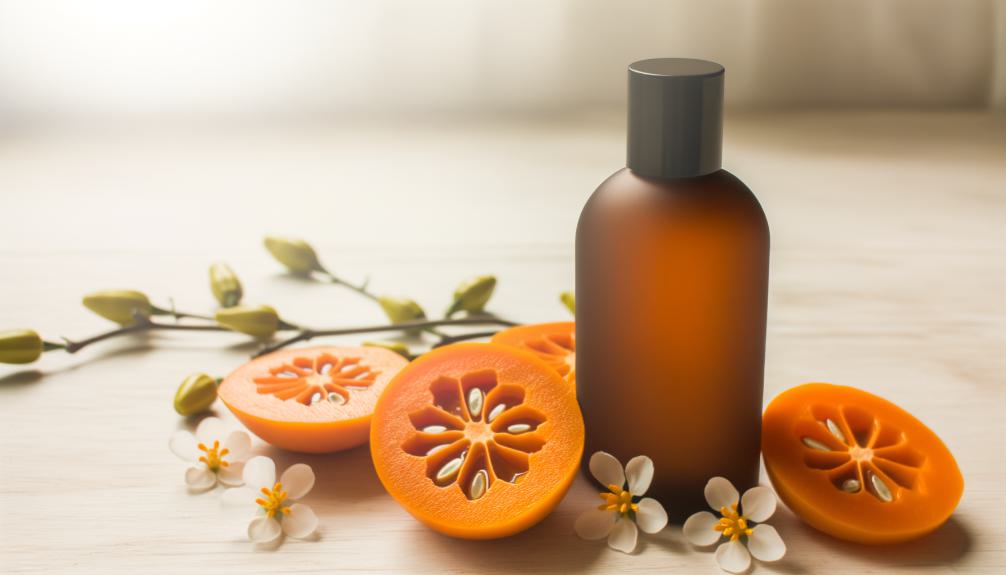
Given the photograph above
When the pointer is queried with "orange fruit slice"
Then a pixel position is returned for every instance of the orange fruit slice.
(553, 343)
(856, 466)
(313, 400)
(477, 440)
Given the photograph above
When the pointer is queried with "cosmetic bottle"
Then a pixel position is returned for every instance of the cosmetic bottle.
(672, 258)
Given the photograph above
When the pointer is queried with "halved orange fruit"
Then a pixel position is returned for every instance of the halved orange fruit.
(553, 343)
(856, 466)
(477, 440)
(314, 400)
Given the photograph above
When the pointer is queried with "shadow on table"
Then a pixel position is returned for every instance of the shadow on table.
(136, 344)
(22, 378)
(342, 478)
(548, 547)
(943, 547)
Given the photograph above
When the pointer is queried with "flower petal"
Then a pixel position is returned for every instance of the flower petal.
(260, 471)
(595, 523)
(238, 443)
(300, 522)
(733, 557)
(243, 496)
(183, 444)
(651, 516)
(721, 493)
(639, 472)
(297, 480)
(263, 529)
(758, 503)
(232, 474)
(698, 529)
(765, 543)
(210, 429)
(199, 478)
(606, 469)
(623, 536)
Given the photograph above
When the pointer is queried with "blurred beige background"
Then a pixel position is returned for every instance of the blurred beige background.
(67, 60)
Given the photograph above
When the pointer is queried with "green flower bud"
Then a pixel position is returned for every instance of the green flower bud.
(20, 346)
(121, 306)
(297, 255)
(569, 300)
(472, 295)
(196, 394)
(259, 321)
(401, 309)
(397, 347)
(225, 285)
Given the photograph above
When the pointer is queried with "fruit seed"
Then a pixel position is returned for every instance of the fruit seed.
(479, 484)
(449, 470)
(851, 486)
(815, 444)
(834, 429)
(879, 488)
(475, 398)
(496, 411)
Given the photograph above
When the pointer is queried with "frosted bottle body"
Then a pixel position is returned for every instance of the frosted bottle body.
(671, 289)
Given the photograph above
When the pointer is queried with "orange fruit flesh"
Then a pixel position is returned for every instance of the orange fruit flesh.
(553, 343)
(477, 441)
(313, 400)
(856, 466)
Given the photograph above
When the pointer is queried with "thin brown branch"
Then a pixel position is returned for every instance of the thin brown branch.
(309, 334)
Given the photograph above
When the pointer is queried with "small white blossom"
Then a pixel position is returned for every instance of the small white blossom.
(617, 518)
(736, 526)
(217, 454)
(274, 500)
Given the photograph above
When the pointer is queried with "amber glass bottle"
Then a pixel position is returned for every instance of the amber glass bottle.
(671, 287)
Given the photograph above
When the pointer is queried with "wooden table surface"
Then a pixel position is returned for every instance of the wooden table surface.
(888, 273)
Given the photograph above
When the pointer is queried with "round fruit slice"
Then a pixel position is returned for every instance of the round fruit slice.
(313, 400)
(477, 440)
(856, 466)
(553, 343)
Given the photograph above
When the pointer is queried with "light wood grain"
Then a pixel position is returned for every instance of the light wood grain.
(888, 273)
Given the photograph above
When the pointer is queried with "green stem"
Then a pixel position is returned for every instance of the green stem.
(141, 326)
(447, 340)
(154, 310)
(308, 334)
(436, 332)
(360, 289)
(303, 334)
(52, 345)
(287, 326)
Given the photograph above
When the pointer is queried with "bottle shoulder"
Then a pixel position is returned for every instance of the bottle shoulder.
(626, 195)
(720, 182)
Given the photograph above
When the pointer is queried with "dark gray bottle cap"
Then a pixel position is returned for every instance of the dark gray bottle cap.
(675, 117)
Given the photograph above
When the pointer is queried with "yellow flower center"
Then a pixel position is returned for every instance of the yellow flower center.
(214, 458)
(273, 501)
(619, 500)
(733, 524)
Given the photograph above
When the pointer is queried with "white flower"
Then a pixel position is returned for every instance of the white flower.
(273, 500)
(735, 526)
(216, 452)
(618, 516)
